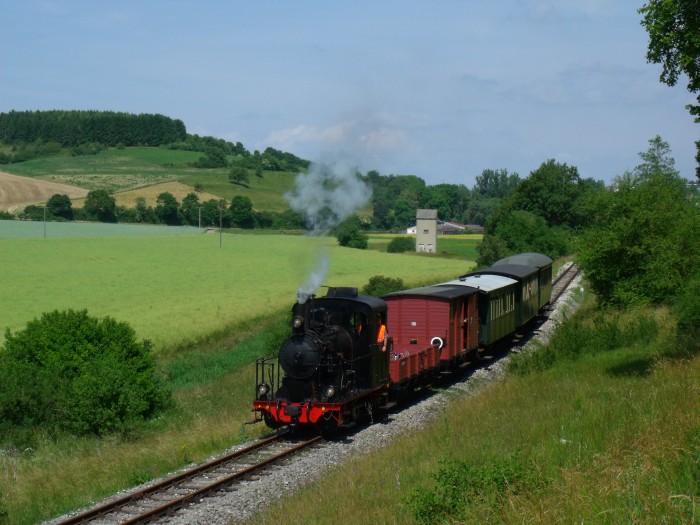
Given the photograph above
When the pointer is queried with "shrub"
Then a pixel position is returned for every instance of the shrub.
(687, 311)
(379, 285)
(71, 372)
(350, 236)
(402, 244)
(462, 488)
(576, 337)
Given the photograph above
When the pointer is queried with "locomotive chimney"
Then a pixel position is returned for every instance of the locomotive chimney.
(300, 314)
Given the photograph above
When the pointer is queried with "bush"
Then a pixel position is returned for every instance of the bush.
(350, 236)
(687, 311)
(71, 372)
(464, 490)
(402, 244)
(379, 285)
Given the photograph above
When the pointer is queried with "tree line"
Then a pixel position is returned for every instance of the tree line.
(75, 128)
(34, 134)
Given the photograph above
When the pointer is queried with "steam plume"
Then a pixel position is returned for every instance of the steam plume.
(326, 196)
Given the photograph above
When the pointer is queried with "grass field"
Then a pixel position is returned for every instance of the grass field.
(175, 290)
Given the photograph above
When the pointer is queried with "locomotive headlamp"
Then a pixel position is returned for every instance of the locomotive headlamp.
(330, 391)
(297, 323)
(263, 390)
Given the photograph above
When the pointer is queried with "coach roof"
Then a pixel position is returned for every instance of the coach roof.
(515, 271)
(443, 291)
(484, 282)
(526, 259)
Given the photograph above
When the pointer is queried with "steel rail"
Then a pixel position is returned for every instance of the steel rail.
(569, 274)
(114, 506)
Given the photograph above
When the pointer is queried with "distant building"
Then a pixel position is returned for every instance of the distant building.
(426, 231)
(447, 228)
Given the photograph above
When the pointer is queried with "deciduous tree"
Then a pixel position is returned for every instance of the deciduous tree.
(100, 205)
(644, 242)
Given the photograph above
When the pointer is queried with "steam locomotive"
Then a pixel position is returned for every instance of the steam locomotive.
(339, 365)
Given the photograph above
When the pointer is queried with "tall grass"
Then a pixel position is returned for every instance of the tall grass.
(596, 436)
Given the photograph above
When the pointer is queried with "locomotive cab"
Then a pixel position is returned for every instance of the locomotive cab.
(332, 363)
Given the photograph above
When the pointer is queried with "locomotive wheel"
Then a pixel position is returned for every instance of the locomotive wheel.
(270, 421)
(328, 426)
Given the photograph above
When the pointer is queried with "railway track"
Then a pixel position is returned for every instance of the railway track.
(167, 496)
(563, 280)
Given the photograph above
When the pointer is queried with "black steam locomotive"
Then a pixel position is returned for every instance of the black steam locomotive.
(335, 364)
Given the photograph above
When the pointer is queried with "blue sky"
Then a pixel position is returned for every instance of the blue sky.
(440, 89)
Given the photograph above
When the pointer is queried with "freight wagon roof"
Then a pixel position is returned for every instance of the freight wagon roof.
(526, 259)
(515, 271)
(441, 291)
(484, 282)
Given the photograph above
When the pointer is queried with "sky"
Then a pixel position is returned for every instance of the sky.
(441, 89)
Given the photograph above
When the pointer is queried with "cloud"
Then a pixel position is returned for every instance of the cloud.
(357, 137)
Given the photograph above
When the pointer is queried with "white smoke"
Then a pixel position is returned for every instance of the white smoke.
(314, 280)
(326, 196)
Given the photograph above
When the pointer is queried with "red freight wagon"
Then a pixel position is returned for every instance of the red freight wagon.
(433, 329)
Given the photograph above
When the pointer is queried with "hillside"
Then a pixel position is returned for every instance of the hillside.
(130, 172)
(17, 192)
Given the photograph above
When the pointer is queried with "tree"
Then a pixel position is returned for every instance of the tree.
(674, 42)
(189, 209)
(239, 175)
(496, 183)
(168, 209)
(490, 249)
(555, 192)
(350, 234)
(71, 372)
(657, 159)
(241, 212)
(144, 213)
(523, 231)
(100, 205)
(60, 206)
(644, 243)
(382, 214)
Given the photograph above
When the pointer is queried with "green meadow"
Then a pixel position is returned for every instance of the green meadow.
(178, 289)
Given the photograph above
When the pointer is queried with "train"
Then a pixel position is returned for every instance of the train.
(352, 357)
